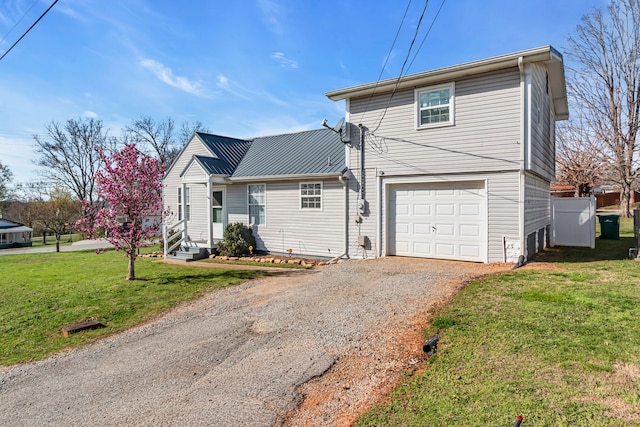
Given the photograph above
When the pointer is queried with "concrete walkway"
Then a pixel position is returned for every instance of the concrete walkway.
(82, 245)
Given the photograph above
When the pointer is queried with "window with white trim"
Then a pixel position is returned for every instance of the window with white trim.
(187, 203)
(435, 106)
(256, 202)
(310, 195)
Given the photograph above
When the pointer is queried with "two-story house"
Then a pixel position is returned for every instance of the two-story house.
(454, 163)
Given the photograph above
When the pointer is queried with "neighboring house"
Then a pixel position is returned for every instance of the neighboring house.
(454, 163)
(289, 188)
(14, 235)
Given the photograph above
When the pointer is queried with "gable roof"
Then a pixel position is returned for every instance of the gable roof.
(542, 54)
(308, 153)
(226, 153)
(314, 152)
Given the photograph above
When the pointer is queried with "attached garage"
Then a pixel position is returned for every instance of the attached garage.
(445, 220)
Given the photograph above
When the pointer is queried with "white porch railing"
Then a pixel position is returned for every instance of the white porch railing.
(180, 227)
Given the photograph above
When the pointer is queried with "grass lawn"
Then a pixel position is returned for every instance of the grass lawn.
(43, 292)
(36, 242)
(557, 341)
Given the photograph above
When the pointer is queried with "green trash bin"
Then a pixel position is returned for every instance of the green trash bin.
(609, 226)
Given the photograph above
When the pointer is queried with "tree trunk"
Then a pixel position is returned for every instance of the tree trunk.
(57, 243)
(131, 274)
(44, 237)
(625, 197)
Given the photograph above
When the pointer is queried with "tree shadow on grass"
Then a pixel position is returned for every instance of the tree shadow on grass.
(221, 275)
(605, 250)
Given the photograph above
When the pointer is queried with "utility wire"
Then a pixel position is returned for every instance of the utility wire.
(425, 36)
(19, 21)
(386, 59)
(28, 29)
(415, 36)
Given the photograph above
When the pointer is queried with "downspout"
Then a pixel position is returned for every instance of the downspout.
(361, 192)
(524, 113)
(344, 183)
(379, 175)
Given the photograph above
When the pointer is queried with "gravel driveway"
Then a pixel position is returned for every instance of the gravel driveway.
(240, 356)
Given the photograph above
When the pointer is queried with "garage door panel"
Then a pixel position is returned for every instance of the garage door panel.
(445, 229)
(438, 220)
(469, 230)
(422, 209)
(420, 228)
(444, 209)
(467, 209)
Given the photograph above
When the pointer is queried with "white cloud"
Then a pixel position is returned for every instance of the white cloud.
(284, 61)
(165, 74)
(90, 114)
(273, 14)
(240, 91)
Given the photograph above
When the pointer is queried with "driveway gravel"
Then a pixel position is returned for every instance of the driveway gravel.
(309, 348)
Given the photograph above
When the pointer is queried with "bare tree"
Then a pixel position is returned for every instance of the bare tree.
(606, 81)
(578, 160)
(160, 136)
(69, 157)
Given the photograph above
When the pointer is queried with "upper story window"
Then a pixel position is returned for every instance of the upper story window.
(435, 106)
(257, 203)
(311, 195)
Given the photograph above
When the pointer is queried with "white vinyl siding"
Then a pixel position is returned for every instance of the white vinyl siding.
(435, 106)
(311, 195)
(307, 232)
(256, 203)
(179, 203)
(485, 137)
(541, 130)
(173, 181)
(537, 203)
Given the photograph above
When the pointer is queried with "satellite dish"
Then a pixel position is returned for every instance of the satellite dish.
(338, 128)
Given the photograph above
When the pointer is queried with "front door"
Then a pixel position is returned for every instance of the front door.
(218, 213)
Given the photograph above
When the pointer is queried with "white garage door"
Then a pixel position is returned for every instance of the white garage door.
(438, 220)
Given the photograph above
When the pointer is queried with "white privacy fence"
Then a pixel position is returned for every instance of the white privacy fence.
(573, 221)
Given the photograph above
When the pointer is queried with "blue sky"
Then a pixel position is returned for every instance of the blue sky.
(243, 68)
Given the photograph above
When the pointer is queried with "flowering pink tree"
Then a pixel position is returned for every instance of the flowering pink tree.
(131, 185)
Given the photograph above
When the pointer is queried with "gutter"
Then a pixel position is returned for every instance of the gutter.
(231, 180)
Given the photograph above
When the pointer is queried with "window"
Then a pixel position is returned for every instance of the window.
(435, 106)
(187, 202)
(311, 195)
(256, 203)
(216, 205)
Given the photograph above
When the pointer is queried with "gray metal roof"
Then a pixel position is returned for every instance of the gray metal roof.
(311, 152)
(227, 151)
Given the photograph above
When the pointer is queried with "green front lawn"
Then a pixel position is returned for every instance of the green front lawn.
(43, 292)
(557, 341)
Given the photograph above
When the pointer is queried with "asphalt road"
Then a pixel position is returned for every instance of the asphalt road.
(233, 358)
(75, 246)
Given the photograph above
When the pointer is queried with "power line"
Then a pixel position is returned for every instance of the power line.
(28, 29)
(19, 21)
(395, 88)
(386, 59)
(425, 36)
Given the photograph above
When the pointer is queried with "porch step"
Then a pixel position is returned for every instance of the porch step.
(190, 254)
